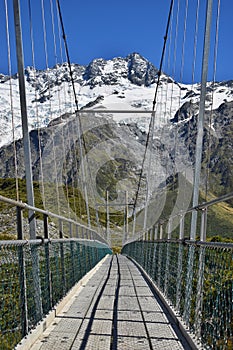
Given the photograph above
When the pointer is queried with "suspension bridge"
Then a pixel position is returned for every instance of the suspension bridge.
(61, 286)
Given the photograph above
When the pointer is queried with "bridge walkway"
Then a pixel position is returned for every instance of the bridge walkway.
(115, 309)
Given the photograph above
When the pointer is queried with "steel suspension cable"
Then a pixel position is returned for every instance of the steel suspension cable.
(66, 104)
(47, 67)
(151, 124)
(81, 136)
(60, 113)
(195, 41)
(80, 133)
(36, 98)
(65, 108)
(212, 98)
(180, 81)
(67, 54)
(168, 63)
(194, 60)
(11, 100)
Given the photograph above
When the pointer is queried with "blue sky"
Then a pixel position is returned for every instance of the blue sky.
(99, 29)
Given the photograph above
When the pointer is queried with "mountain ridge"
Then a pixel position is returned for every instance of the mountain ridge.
(119, 84)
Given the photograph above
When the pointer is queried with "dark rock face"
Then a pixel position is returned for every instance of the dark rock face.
(134, 67)
(218, 131)
(186, 111)
(141, 71)
(217, 143)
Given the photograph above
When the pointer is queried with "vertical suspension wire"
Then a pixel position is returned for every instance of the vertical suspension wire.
(60, 113)
(212, 100)
(152, 121)
(11, 100)
(168, 92)
(193, 67)
(168, 64)
(194, 63)
(184, 42)
(82, 145)
(200, 124)
(174, 56)
(195, 42)
(81, 135)
(65, 99)
(47, 67)
(69, 136)
(65, 92)
(176, 140)
(36, 98)
(176, 16)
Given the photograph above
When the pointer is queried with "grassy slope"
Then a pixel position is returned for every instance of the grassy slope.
(73, 197)
(220, 216)
(219, 222)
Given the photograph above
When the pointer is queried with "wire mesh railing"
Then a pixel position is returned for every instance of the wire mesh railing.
(36, 274)
(197, 280)
(27, 294)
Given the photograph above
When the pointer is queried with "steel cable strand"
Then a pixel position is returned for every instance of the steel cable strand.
(36, 99)
(81, 135)
(82, 143)
(49, 88)
(207, 168)
(176, 150)
(151, 124)
(79, 209)
(11, 100)
(60, 112)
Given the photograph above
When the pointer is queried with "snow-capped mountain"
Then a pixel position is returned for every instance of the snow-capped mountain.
(118, 84)
(115, 142)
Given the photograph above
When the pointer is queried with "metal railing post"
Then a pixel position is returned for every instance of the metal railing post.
(167, 268)
(62, 257)
(203, 225)
(181, 231)
(169, 229)
(200, 124)
(19, 223)
(189, 285)
(47, 262)
(156, 232)
(76, 231)
(179, 275)
(24, 117)
(199, 296)
(160, 231)
(22, 276)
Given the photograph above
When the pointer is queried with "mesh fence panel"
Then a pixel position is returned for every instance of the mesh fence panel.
(35, 277)
(198, 281)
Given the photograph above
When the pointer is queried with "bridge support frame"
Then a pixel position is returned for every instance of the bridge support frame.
(24, 117)
(200, 127)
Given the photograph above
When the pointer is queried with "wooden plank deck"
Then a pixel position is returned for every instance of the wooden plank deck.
(115, 309)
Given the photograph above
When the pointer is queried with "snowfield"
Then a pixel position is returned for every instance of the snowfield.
(122, 84)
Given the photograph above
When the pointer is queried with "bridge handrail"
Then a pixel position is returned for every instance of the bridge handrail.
(190, 242)
(195, 279)
(35, 275)
(200, 207)
(39, 241)
(47, 213)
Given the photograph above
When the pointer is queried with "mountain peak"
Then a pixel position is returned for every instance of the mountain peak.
(134, 67)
